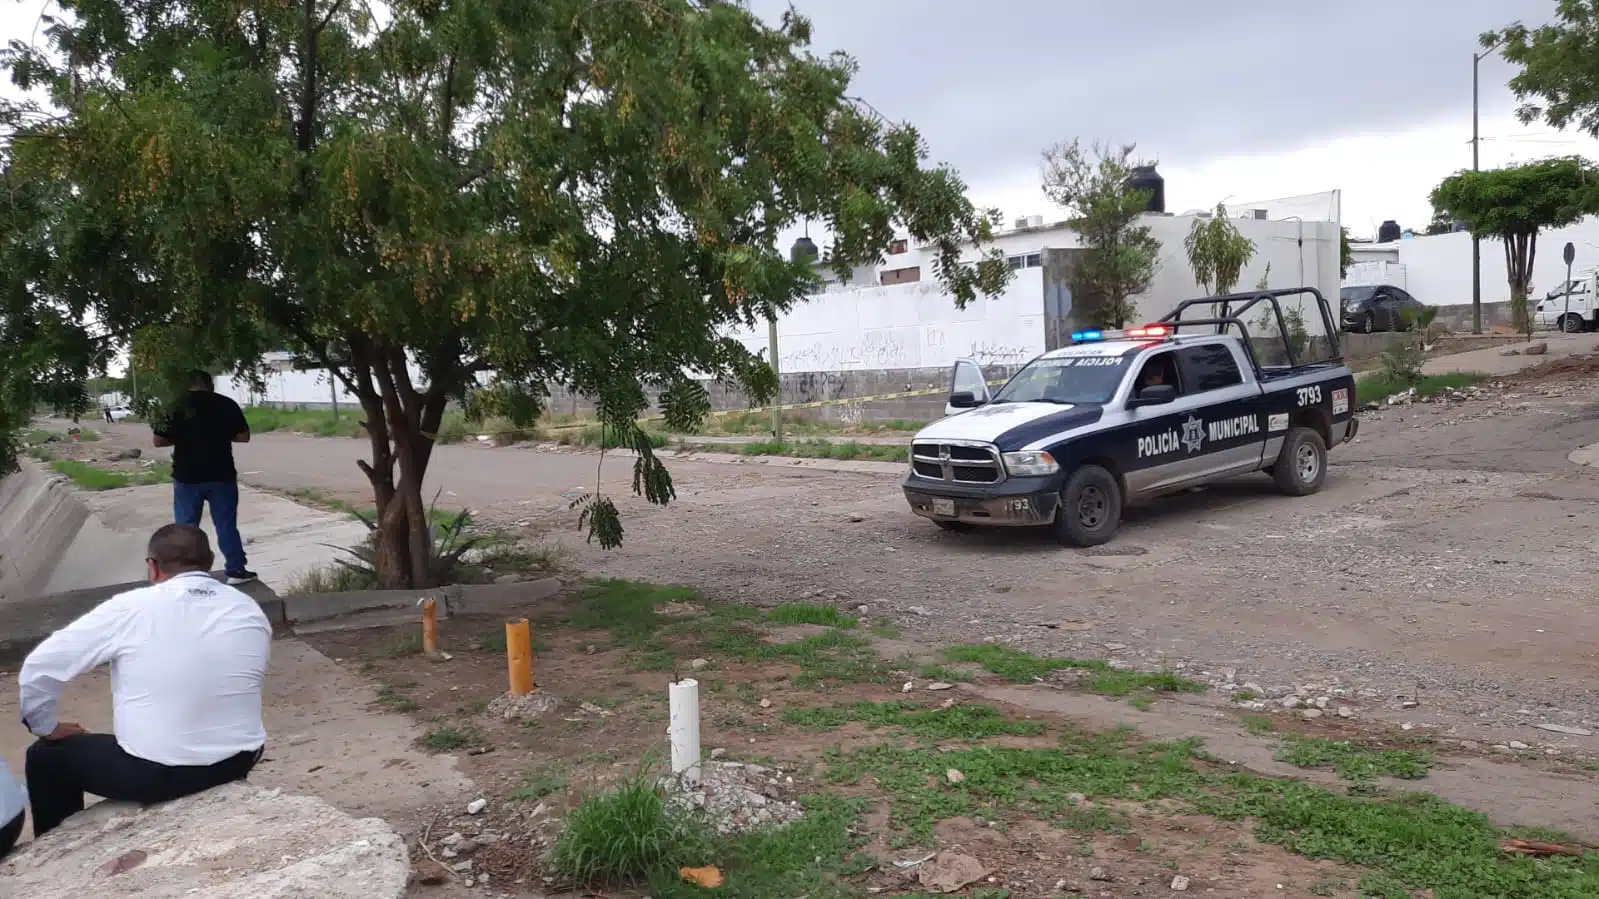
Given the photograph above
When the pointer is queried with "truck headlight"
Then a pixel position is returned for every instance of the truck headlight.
(1031, 463)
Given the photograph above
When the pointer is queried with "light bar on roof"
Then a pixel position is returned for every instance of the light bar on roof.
(1150, 331)
(1084, 336)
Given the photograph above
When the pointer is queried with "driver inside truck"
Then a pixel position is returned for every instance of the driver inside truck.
(1154, 374)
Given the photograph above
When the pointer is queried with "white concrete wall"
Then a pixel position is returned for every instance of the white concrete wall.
(906, 326)
(1437, 270)
(287, 388)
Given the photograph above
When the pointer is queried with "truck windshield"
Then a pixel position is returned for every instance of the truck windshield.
(1072, 379)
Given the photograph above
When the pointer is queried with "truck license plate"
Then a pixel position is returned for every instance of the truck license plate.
(944, 507)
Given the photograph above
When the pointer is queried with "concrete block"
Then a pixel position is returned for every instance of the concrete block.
(233, 841)
(378, 608)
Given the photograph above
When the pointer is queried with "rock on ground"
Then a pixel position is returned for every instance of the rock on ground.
(737, 796)
(233, 841)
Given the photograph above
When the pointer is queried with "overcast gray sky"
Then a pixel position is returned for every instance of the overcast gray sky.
(1240, 99)
(1251, 99)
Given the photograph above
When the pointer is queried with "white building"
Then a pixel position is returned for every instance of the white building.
(895, 315)
(1437, 270)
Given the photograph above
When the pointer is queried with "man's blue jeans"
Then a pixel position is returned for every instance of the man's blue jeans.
(223, 497)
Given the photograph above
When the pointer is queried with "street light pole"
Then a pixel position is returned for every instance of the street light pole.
(1476, 242)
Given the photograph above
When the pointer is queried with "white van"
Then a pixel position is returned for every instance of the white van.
(1569, 307)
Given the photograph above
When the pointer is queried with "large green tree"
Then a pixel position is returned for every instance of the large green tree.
(1512, 205)
(463, 201)
(1558, 81)
(1119, 255)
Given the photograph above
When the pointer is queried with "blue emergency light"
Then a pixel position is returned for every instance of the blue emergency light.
(1080, 336)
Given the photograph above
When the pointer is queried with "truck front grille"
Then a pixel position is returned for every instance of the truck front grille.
(956, 463)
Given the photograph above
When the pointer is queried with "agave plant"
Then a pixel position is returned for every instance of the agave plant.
(447, 539)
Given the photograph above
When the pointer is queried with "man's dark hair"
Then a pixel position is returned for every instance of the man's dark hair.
(201, 380)
(175, 548)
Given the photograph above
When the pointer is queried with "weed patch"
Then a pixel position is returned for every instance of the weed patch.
(1352, 761)
(1024, 668)
(810, 613)
(959, 722)
(89, 477)
(450, 738)
(1379, 386)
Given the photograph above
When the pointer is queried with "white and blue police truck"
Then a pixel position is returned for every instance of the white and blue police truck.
(1119, 416)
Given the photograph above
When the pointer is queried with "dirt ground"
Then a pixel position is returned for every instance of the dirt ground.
(1439, 587)
(790, 712)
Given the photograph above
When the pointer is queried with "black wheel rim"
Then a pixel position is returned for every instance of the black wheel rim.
(1092, 508)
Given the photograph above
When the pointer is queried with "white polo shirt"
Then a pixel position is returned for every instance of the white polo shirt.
(188, 659)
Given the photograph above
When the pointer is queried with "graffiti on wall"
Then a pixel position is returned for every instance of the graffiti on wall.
(874, 349)
(991, 352)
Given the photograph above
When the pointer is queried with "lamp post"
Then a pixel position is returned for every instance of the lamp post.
(1476, 242)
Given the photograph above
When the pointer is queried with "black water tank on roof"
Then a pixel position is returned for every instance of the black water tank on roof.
(1388, 231)
(803, 249)
(1144, 177)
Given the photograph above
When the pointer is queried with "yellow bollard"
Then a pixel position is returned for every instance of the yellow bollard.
(519, 656)
(430, 626)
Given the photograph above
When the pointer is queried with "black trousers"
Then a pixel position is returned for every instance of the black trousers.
(10, 833)
(59, 772)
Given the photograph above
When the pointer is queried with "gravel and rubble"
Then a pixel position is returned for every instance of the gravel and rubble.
(737, 796)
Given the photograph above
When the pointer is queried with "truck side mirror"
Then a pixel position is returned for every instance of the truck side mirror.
(1153, 395)
(964, 399)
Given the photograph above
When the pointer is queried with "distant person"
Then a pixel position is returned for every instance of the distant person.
(13, 809)
(202, 431)
(108, 419)
(188, 659)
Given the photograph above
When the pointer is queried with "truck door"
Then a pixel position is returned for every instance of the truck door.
(1228, 407)
(968, 389)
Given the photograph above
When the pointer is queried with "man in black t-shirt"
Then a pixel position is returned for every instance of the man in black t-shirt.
(201, 432)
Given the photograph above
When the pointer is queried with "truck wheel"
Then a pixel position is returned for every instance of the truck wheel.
(1369, 324)
(1301, 467)
(1572, 323)
(1090, 508)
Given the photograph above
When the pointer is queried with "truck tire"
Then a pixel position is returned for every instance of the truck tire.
(1301, 467)
(1368, 323)
(1090, 507)
(1572, 323)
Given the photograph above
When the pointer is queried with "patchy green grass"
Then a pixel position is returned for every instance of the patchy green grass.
(334, 578)
(810, 613)
(390, 697)
(819, 449)
(90, 477)
(300, 420)
(1024, 668)
(593, 435)
(1353, 761)
(628, 836)
(1377, 387)
(451, 738)
(629, 611)
(958, 722)
(1257, 724)
(1404, 843)
(538, 785)
(311, 496)
(402, 646)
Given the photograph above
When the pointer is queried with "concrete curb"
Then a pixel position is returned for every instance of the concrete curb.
(30, 621)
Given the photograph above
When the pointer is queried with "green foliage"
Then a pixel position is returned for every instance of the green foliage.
(459, 203)
(1346, 256)
(626, 835)
(1023, 667)
(960, 722)
(1559, 78)
(1218, 252)
(447, 542)
(1513, 204)
(1355, 762)
(1119, 255)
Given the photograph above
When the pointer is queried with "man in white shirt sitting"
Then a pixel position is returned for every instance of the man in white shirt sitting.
(13, 805)
(188, 658)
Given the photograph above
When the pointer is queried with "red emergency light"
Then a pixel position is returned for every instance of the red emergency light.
(1149, 331)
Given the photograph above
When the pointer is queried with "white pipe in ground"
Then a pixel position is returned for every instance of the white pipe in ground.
(684, 729)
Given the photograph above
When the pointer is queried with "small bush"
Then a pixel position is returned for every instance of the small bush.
(627, 835)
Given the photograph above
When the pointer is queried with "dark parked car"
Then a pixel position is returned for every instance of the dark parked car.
(1379, 307)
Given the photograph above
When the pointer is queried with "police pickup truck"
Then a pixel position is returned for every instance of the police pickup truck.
(1119, 416)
